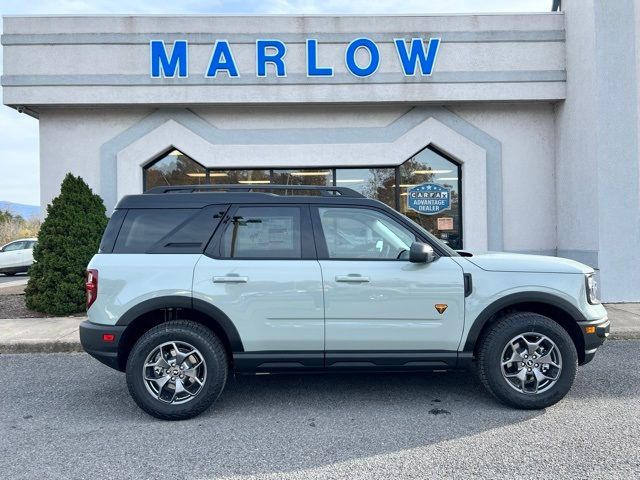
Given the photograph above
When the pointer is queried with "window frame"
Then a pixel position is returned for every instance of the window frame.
(307, 240)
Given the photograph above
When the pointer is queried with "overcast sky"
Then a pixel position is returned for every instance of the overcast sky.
(19, 165)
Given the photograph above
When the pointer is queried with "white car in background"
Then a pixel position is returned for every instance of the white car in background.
(17, 256)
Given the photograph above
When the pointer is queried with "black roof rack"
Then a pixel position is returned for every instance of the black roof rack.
(323, 190)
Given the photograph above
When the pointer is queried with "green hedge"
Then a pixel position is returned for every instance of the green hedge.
(69, 237)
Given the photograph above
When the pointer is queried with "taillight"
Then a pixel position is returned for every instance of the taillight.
(91, 286)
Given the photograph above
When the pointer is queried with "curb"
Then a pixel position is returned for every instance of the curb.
(14, 283)
(40, 347)
(624, 336)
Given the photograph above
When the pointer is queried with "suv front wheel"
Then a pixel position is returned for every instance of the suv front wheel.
(176, 370)
(527, 360)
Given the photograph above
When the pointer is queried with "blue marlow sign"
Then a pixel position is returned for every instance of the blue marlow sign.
(429, 198)
(416, 57)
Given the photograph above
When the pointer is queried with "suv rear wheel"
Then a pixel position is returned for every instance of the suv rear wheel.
(527, 360)
(177, 370)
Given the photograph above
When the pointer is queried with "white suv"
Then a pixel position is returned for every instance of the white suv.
(17, 256)
(192, 283)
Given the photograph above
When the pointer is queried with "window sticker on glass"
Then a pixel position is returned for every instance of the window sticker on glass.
(445, 223)
(279, 230)
(263, 232)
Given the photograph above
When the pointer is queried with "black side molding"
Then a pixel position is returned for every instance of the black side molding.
(287, 361)
(402, 360)
(266, 361)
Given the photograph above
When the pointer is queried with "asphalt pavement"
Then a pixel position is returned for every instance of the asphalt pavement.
(67, 416)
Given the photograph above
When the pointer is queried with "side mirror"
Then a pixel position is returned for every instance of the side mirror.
(421, 253)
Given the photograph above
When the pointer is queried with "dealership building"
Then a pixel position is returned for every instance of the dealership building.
(527, 124)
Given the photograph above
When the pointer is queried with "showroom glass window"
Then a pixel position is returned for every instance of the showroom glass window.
(377, 183)
(389, 185)
(429, 166)
(174, 168)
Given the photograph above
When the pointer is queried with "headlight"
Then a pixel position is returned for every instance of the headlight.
(592, 289)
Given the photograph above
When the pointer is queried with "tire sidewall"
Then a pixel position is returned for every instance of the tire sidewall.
(492, 357)
(214, 383)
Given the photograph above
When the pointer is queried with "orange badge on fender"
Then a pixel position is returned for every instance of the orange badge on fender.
(441, 307)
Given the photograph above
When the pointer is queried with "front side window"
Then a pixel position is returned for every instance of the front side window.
(263, 232)
(359, 233)
(14, 246)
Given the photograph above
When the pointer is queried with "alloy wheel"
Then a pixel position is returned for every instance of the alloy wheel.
(174, 372)
(531, 363)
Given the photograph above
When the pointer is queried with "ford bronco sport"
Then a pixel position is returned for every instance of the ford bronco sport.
(194, 283)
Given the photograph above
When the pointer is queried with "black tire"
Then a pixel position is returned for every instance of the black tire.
(213, 354)
(9, 274)
(489, 358)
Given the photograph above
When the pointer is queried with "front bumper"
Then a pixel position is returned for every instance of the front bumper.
(101, 342)
(594, 333)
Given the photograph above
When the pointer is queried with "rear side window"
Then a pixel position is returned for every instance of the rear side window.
(263, 232)
(168, 230)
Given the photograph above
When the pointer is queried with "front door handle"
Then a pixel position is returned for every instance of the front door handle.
(352, 278)
(230, 279)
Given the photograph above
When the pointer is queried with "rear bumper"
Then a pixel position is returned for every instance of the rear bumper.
(92, 338)
(594, 333)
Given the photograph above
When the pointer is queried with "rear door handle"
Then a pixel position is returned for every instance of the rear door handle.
(352, 278)
(230, 279)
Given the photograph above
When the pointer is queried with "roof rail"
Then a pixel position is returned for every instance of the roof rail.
(261, 188)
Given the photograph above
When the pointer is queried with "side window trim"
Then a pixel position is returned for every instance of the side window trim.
(307, 240)
(321, 244)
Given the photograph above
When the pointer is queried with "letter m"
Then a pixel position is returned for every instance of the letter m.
(163, 65)
(408, 59)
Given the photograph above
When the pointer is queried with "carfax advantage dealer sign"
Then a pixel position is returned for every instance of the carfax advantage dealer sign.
(429, 198)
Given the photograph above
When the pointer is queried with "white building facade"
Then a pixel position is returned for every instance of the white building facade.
(529, 122)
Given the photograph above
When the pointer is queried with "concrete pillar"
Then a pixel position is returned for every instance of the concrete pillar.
(598, 181)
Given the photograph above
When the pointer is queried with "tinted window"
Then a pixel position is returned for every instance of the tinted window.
(143, 229)
(192, 236)
(263, 232)
(364, 233)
